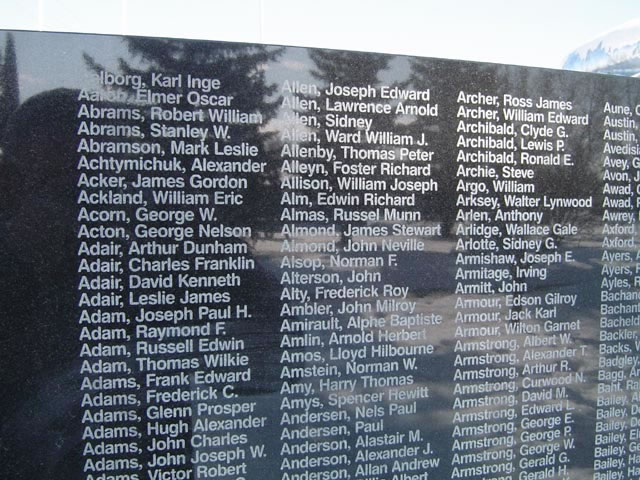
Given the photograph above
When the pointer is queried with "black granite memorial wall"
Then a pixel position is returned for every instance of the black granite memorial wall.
(237, 261)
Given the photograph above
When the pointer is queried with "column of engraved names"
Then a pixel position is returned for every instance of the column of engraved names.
(543, 216)
(485, 373)
(617, 404)
(314, 438)
(110, 418)
(182, 267)
(380, 178)
(358, 194)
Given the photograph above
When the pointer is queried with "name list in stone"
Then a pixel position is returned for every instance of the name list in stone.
(514, 345)
(316, 265)
(163, 261)
(617, 402)
(351, 196)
